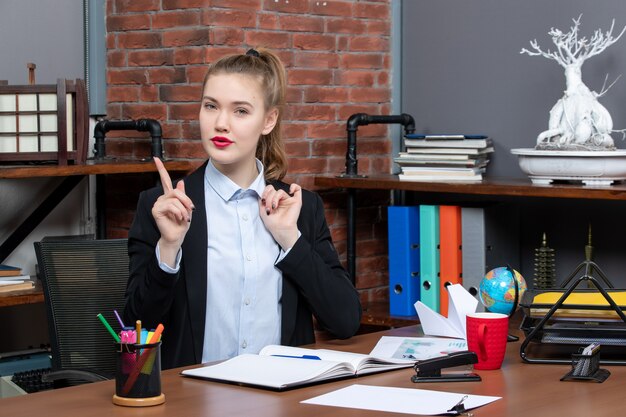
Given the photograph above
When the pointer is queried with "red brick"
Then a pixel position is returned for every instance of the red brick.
(185, 150)
(180, 93)
(343, 43)
(190, 130)
(326, 130)
(116, 58)
(126, 76)
(196, 75)
(166, 75)
(294, 94)
(125, 6)
(128, 22)
(111, 40)
(382, 78)
(137, 40)
(370, 10)
(294, 131)
(310, 76)
(123, 94)
(311, 112)
(185, 56)
(328, 147)
(298, 148)
(301, 23)
(291, 6)
(349, 26)
(314, 42)
(267, 21)
(166, 20)
(317, 60)
(238, 4)
(379, 28)
(185, 4)
(357, 77)
(114, 111)
(227, 36)
(171, 130)
(229, 17)
(144, 111)
(369, 44)
(370, 95)
(159, 57)
(331, 8)
(306, 165)
(215, 53)
(183, 111)
(361, 61)
(189, 37)
(274, 40)
(325, 95)
(149, 93)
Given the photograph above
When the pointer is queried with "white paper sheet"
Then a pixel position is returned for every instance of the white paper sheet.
(416, 348)
(398, 400)
(461, 303)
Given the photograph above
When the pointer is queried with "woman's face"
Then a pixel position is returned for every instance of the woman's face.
(232, 119)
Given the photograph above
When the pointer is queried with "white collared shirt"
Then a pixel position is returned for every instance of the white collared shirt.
(244, 287)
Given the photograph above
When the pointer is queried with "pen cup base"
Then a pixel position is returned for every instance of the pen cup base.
(138, 402)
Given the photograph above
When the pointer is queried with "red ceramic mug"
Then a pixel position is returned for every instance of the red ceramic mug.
(486, 335)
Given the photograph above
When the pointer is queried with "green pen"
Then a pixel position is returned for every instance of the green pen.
(108, 326)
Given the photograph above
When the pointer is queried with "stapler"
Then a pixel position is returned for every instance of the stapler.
(429, 370)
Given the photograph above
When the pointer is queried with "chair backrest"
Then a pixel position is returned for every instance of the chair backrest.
(80, 279)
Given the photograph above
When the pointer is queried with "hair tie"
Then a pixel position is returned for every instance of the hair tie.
(253, 52)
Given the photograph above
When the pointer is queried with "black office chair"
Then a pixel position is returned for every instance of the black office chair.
(81, 278)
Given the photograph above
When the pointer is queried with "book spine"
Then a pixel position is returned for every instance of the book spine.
(450, 254)
(429, 256)
(404, 259)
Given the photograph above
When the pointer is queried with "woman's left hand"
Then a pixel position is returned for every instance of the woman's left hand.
(280, 211)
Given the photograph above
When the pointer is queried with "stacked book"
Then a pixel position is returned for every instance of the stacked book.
(444, 157)
(11, 279)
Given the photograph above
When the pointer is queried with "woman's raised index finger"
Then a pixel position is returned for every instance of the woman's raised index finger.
(166, 181)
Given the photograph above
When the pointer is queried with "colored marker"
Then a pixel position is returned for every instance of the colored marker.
(138, 331)
(108, 327)
(313, 357)
(157, 334)
(119, 319)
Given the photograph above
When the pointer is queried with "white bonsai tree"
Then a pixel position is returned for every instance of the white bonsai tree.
(577, 121)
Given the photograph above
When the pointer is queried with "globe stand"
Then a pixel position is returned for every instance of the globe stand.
(511, 337)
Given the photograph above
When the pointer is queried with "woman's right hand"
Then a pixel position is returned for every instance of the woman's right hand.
(172, 213)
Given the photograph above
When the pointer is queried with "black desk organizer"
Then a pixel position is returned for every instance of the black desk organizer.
(586, 367)
(558, 340)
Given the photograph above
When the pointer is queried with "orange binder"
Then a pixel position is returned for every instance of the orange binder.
(450, 259)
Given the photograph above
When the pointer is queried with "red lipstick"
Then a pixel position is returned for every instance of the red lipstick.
(221, 142)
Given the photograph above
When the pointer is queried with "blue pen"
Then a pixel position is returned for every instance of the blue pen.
(312, 357)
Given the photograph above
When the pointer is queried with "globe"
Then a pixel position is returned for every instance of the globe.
(497, 289)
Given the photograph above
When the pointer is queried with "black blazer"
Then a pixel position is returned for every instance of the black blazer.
(314, 282)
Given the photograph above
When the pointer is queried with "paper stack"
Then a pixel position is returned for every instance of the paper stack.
(444, 157)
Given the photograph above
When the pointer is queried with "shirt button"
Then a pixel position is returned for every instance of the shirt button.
(248, 257)
(244, 217)
(246, 301)
(244, 344)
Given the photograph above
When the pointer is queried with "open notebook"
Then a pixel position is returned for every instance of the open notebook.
(282, 367)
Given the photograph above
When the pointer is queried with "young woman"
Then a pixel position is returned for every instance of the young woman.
(231, 259)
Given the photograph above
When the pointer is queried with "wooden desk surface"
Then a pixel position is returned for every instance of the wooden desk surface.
(527, 390)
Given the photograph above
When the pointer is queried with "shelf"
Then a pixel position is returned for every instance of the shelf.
(495, 187)
(31, 296)
(92, 167)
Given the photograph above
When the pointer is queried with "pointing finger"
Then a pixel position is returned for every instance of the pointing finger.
(166, 181)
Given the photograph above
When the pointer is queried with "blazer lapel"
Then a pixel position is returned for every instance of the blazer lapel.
(195, 259)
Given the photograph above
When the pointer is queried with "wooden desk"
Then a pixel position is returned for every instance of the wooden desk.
(527, 390)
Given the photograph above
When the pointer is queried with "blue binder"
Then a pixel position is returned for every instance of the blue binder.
(404, 259)
(429, 256)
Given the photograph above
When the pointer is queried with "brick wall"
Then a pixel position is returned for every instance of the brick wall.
(337, 55)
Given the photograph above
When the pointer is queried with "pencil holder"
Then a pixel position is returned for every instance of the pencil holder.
(586, 367)
(138, 375)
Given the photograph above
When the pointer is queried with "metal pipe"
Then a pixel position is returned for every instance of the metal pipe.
(354, 121)
(140, 125)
